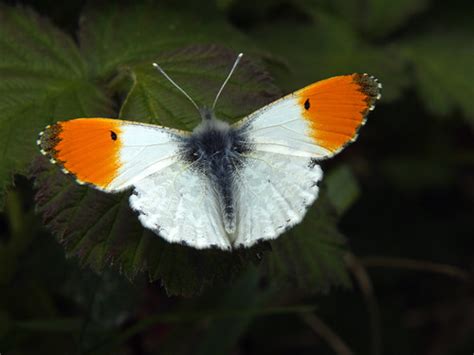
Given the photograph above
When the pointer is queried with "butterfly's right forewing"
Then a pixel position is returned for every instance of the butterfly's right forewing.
(279, 179)
(317, 121)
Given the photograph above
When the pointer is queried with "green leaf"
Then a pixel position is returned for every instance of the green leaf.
(327, 46)
(375, 18)
(443, 71)
(200, 70)
(101, 229)
(112, 35)
(46, 77)
(43, 80)
(310, 256)
(384, 16)
(342, 188)
(222, 334)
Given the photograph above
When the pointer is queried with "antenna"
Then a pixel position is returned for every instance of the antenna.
(226, 80)
(160, 69)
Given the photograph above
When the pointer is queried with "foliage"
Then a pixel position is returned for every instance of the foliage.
(388, 193)
(102, 229)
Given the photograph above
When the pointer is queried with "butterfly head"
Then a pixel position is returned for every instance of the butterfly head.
(207, 113)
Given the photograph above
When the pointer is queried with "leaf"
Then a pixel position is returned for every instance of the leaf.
(101, 229)
(327, 46)
(222, 334)
(43, 80)
(384, 17)
(200, 70)
(112, 35)
(310, 256)
(342, 188)
(433, 58)
(375, 18)
(46, 77)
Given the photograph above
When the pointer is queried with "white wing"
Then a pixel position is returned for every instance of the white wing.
(146, 149)
(181, 206)
(317, 121)
(281, 128)
(273, 187)
(110, 154)
(274, 191)
(172, 200)
(279, 178)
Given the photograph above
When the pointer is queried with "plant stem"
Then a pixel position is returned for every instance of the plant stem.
(420, 265)
(326, 333)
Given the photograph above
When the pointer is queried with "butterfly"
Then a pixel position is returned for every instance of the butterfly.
(223, 186)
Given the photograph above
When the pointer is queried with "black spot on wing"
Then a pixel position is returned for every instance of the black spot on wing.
(307, 105)
(113, 135)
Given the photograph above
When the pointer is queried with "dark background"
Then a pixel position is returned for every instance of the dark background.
(411, 226)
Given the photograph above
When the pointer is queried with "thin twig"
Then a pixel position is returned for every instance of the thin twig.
(420, 265)
(326, 333)
(365, 285)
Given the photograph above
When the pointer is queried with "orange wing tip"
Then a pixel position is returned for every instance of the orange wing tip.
(88, 149)
(337, 107)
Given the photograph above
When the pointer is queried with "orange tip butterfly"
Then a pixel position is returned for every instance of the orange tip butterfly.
(224, 186)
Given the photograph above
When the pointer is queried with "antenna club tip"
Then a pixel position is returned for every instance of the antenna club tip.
(240, 55)
(155, 65)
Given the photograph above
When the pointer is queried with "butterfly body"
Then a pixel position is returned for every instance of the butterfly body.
(221, 185)
(217, 150)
